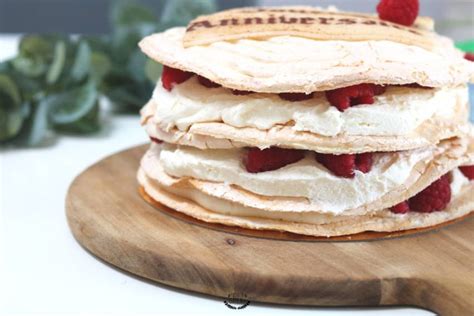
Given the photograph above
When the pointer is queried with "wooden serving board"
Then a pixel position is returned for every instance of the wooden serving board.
(109, 217)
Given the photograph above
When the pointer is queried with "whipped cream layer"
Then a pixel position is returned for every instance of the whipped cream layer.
(458, 181)
(399, 111)
(306, 178)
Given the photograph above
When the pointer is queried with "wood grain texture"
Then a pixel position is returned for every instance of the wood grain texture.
(107, 215)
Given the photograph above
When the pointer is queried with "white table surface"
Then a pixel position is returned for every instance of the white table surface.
(44, 270)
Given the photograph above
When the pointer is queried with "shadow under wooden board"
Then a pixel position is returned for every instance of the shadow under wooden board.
(109, 217)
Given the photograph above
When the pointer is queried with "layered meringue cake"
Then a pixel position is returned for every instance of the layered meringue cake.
(311, 121)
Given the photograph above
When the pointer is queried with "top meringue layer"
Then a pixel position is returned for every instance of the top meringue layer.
(294, 64)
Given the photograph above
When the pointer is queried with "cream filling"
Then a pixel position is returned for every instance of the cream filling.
(306, 178)
(458, 181)
(220, 206)
(399, 111)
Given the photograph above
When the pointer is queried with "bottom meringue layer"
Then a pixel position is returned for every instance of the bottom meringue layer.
(213, 199)
(284, 190)
(214, 210)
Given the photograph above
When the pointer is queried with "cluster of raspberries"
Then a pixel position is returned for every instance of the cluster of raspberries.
(433, 198)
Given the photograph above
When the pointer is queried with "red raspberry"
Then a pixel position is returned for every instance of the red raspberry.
(295, 96)
(400, 208)
(364, 162)
(468, 171)
(340, 165)
(469, 56)
(345, 165)
(433, 198)
(403, 12)
(378, 89)
(171, 76)
(208, 83)
(241, 92)
(271, 158)
(344, 98)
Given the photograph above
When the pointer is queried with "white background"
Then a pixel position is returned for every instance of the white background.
(44, 270)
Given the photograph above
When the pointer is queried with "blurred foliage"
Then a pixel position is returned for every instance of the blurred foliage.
(467, 46)
(55, 83)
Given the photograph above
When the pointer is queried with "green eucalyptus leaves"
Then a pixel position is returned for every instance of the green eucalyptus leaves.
(55, 82)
